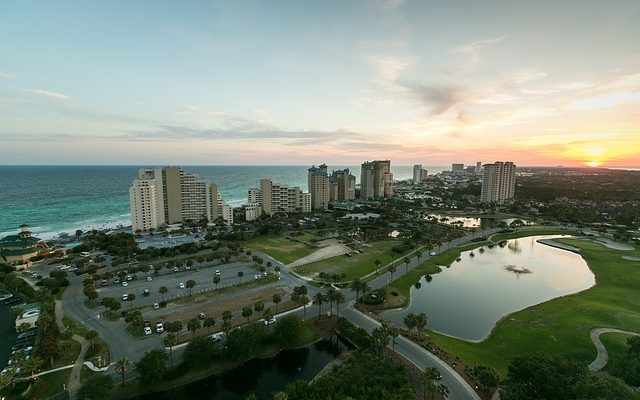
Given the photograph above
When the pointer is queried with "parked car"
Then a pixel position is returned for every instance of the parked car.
(433, 253)
(124, 284)
(156, 305)
(270, 321)
(104, 282)
(125, 297)
(217, 272)
(181, 285)
(145, 292)
(159, 327)
(201, 315)
(218, 336)
(31, 313)
(175, 269)
(85, 254)
(149, 279)
(147, 330)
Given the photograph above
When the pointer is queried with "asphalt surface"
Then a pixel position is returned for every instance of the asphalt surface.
(170, 279)
(122, 344)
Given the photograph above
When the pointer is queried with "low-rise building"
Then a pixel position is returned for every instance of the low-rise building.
(21, 247)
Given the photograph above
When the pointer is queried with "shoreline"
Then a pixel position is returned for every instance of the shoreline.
(487, 336)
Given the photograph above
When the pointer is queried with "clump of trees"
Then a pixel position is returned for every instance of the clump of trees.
(543, 376)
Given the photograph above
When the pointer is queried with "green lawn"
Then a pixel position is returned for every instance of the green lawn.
(561, 326)
(358, 265)
(280, 248)
(616, 345)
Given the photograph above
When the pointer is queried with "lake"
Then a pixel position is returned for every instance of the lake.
(260, 376)
(468, 298)
(473, 222)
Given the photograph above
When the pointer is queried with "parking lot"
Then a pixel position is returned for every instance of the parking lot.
(203, 276)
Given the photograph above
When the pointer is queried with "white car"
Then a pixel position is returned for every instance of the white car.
(124, 284)
(433, 253)
(125, 297)
(218, 336)
(31, 313)
(181, 285)
(147, 330)
(270, 321)
(217, 272)
(159, 327)
(156, 306)
(149, 279)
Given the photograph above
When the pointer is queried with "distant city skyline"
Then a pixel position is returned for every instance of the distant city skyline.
(281, 82)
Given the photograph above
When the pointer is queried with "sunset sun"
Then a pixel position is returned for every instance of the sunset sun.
(594, 164)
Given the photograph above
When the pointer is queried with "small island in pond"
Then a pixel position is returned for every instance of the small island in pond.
(517, 269)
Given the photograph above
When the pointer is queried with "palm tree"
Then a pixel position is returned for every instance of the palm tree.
(227, 316)
(208, 323)
(318, 300)
(418, 255)
(163, 290)
(330, 295)
(392, 269)
(32, 365)
(240, 275)
(246, 312)
(267, 314)
(277, 268)
(190, 285)
(365, 288)
(356, 286)
(428, 386)
(216, 280)
(91, 336)
(303, 300)
(169, 341)
(258, 306)
(193, 325)
(276, 300)
(406, 264)
(339, 299)
(122, 365)
(394, 332)
(269, 264)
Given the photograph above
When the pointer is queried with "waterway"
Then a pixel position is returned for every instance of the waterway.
(468, 298)
(260, 376)
(474, 222)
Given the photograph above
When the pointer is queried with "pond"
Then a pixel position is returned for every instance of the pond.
(468, 298)
(260, 376)
(474, 222)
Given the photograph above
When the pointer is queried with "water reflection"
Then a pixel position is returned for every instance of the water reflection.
(473, 222)
(467, 299)
(260, 376)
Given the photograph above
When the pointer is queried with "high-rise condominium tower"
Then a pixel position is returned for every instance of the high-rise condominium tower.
(342, 185)
(376, 180)
(318, 181)
(498, 182)
(169, 196)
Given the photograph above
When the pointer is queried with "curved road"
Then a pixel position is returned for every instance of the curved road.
(603, 357)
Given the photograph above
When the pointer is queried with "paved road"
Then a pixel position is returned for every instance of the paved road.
(603, 357)
(459, 389)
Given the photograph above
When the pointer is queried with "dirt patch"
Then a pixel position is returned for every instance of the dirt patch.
(323, 325)
(332, 250)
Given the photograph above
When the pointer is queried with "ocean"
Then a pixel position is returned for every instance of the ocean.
(54, 199)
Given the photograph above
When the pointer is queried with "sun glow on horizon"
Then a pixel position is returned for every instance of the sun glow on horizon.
(594, 164)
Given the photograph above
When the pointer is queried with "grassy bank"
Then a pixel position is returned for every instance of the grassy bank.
(356, 266)
(561, 326)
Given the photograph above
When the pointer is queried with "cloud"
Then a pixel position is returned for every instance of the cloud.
(472, 50)
(438, 98)
(606, 101)
(46, 93)
(7, 74)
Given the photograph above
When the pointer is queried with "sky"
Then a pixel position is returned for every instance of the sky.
(304, 82)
